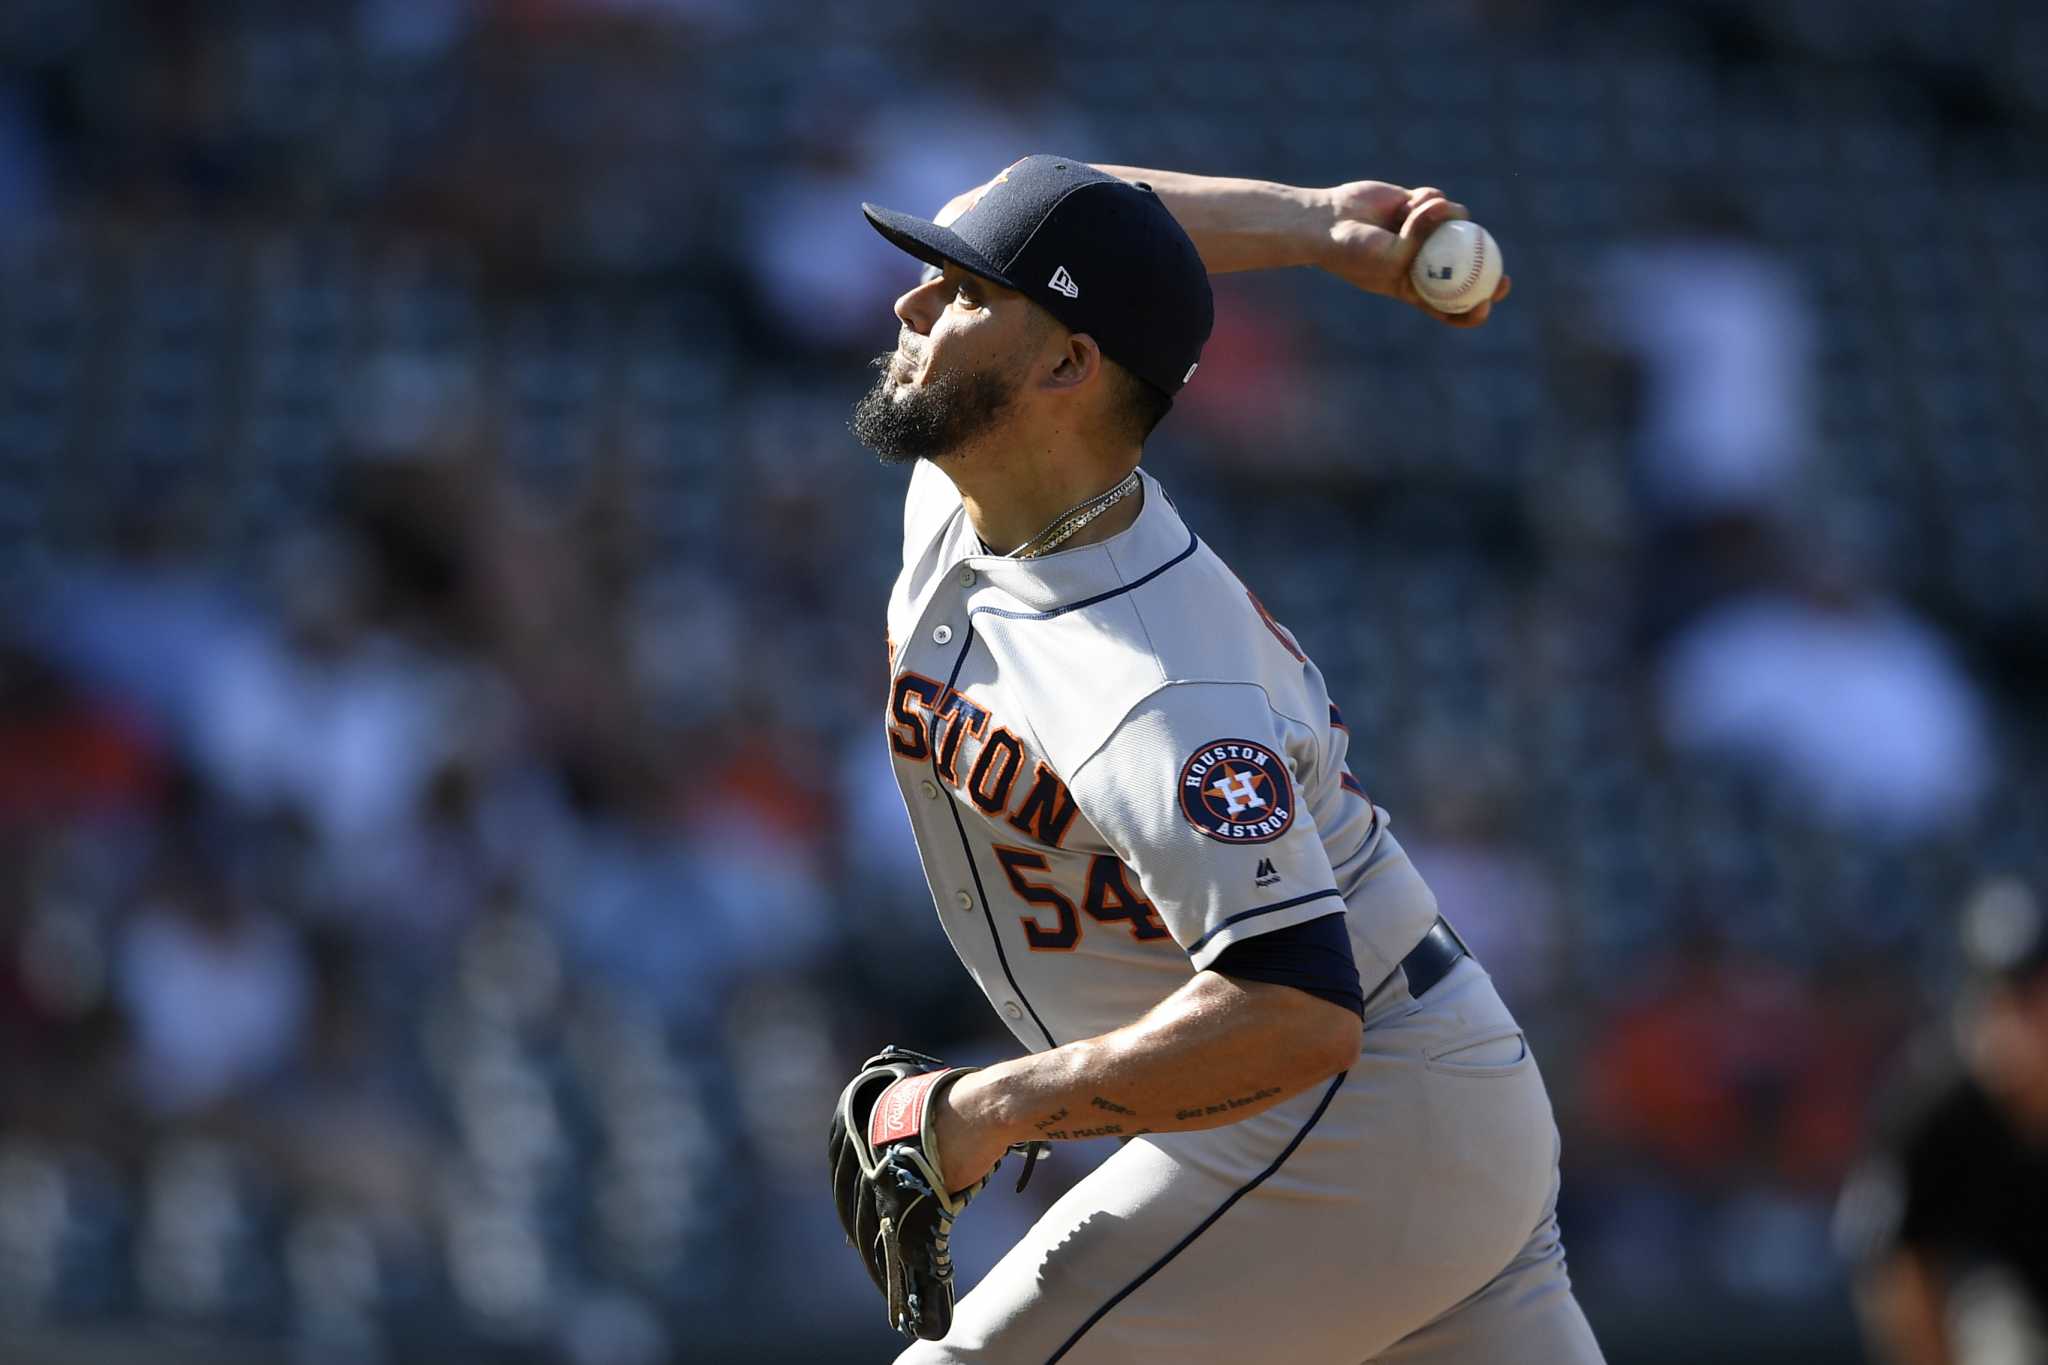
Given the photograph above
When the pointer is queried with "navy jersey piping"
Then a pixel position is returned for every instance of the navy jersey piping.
(988, 913)
(1196, 946)
(966, 844)
(1194, 544)
(1184, 1243)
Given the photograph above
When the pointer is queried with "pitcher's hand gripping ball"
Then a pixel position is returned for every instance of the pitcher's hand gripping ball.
(886, 1181)
(1457, 268)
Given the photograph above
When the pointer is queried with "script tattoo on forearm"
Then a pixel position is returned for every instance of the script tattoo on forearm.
(1106, 1130)
(1104, 1102)
(1202, 1111)
(1050, 1119)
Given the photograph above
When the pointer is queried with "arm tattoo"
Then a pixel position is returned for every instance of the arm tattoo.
(1050, 1119)
(1225, 1106)
(1103, 1102)
(1106, 1130)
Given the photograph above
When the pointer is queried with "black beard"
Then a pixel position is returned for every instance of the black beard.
(931, 421)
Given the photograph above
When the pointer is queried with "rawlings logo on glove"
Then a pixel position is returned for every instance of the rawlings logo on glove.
(901, 1111)
(886, 1181)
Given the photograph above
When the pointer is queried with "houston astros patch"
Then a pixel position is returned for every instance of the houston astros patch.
(1237, 791)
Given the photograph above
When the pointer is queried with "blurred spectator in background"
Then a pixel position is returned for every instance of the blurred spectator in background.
(1730, 1071)
(1703, 334)
(67, 756)
(825, 288)
(216, 987)
(1500, 895)
(1946, 1219)
(328, 716)
(1716, 330)
(1844, 701)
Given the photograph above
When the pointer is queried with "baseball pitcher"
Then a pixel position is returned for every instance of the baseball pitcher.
(1144, 835)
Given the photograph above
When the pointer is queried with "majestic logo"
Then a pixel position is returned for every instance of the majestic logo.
(1062, 282)
(1238, 792)
(1265, 874)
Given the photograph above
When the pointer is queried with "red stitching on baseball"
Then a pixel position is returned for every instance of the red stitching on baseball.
(1478, 262)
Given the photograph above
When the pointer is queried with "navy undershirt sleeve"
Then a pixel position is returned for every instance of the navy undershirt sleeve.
(1313, 956)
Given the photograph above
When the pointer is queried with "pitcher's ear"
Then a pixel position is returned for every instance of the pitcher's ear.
(1079, 364)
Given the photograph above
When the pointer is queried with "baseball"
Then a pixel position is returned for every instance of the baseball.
(1457, 268)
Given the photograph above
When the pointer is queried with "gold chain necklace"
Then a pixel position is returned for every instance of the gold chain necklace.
(1068, 523)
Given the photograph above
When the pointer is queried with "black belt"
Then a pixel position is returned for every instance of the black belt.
(1438, 952)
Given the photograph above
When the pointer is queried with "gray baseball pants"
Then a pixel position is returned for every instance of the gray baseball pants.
(1403, 1215)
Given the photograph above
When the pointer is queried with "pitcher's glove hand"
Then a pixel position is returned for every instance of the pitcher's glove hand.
(887, 1181)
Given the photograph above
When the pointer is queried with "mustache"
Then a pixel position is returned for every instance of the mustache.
(904, 349)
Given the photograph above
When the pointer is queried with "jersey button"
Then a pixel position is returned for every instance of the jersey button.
(930, 789)
(964, 900)
(966, 578)
(1013, 1009)
(941, 634)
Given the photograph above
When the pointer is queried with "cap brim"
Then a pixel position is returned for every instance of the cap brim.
(932, 244)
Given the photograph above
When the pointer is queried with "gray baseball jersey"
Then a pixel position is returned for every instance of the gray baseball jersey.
(1116, 765)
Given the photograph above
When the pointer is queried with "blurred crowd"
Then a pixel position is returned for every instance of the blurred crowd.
(447, 856)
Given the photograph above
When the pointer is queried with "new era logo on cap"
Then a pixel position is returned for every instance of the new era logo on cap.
(1064, 283)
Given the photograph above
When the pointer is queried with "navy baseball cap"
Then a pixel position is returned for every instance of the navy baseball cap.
(1100, 254)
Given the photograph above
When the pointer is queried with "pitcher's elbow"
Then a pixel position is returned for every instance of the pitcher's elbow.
(1347, 1038)
(1333, 1037)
